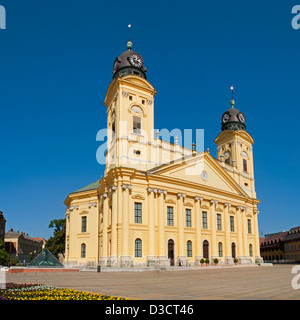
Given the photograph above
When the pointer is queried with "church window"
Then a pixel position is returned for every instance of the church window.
(245, 165)
(136, 125)
(250, 250)
(170, 216)
(219, 224)
(83, 224)
(83, 250)
(138, 248)
(249, 226)
(231, 223)
(220, 249)
(130, 98)
(137, 152)
(137, 212)
(113, 128)
(204, 220)
(188, 222)
(143, 101)
(189, 252)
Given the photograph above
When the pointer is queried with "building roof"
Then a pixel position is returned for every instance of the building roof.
(92, 186)
(10, 234)
(292, 234)
(273, 238)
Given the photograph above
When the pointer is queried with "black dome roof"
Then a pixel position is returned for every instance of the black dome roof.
(233, 119)
(129, 62)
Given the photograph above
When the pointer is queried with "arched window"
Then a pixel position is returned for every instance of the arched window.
(233, 251)
(189, 249)
(138, 248)
(250, 250)
(220, 249)
(83, 250)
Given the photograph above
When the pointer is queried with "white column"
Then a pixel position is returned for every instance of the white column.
(240, 251)
(151, 259)
(213, 229)
(114, 217)
(182, 259)
(228, 253)
(162, 244)
(125, 259)
(103, 259)
(198, 245)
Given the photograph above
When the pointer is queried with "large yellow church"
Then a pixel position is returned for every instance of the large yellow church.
(161, 204)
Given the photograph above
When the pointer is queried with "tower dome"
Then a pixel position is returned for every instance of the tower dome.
(129, 62)
(233, 119)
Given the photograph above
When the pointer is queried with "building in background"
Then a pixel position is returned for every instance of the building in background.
(2, 226)
(281, 247)
(19, 245)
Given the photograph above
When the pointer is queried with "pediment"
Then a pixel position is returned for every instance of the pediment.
(203, 170)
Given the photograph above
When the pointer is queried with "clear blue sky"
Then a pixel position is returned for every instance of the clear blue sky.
(56, 60)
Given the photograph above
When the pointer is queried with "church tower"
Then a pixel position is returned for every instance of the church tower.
(234, 149)
(130, 112)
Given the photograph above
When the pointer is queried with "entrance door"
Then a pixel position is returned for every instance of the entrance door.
(171, 251)
(233, 250)
(205, 249)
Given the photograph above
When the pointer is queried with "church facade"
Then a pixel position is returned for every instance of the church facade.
(161, 204)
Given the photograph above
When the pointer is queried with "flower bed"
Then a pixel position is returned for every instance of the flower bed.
(15, 291)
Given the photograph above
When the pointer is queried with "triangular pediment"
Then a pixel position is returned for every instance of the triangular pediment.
(201, 169)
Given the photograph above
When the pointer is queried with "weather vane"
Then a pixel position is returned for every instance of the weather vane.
(232, 100)
(129, 43)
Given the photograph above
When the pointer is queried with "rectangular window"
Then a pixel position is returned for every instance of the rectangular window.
(204, 220)
(83, 224)
(136, 125)
(249, 226)
(188, 222)
(137, 212)
(189, 253)
(231, 223)
(170, 216)
(219, 224)
(245, 165)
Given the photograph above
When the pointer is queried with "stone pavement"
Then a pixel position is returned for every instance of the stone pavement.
(236, 282)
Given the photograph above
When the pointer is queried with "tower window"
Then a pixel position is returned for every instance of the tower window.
(137, 152)
(143, 101)
(136, 125)
(245, 165)
(130, 98)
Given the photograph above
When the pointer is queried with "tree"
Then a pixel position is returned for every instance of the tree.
(4, 255)
(56, 243)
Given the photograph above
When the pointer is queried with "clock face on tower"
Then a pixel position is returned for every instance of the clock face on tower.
(241, 117)
(136, 60)
(225, 117)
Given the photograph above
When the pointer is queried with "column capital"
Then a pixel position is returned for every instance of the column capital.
(126, 186)
(92, 204)
(103, 196)
(181, 195)
(226, 204)
(152, 190)
(198, 198)
(161, 191)
(73, 208)
(113, 189)
(214, 201)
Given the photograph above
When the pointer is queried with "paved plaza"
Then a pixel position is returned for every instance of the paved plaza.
(237, 282)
